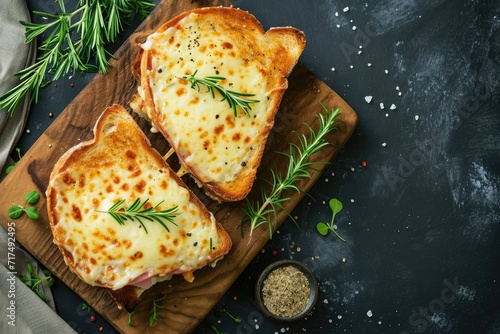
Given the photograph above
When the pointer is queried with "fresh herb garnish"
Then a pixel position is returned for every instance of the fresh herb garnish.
(11, 167)
(33, 281)
(323, 228)
(129, 320)
(139, 211)
(265, 211)
(214, 328)
(235, 319)
(86, 307)
(16, 210)
(73, 39)
(234, 99)
(154, 311)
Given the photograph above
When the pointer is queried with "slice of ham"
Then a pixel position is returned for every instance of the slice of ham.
(147, 279)
(143, 281)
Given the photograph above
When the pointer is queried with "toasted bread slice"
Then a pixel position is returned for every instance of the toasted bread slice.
(127, 257)
(219, 146)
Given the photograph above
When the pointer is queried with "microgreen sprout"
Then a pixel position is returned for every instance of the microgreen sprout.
(33, 281)
(212, 327)
(11, 167)
(154, 311)
(323, 228)
(129, 319)
(86, 307)
(235, 319)
(16, 210)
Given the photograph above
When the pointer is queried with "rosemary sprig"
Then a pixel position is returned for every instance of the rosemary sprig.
(134, 213)
(265, 211)
(74, 40)
(234, 99)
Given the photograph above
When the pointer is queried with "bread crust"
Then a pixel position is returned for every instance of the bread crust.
(123, 133)
(278, 49)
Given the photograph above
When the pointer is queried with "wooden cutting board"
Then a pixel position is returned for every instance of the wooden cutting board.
(186, 304)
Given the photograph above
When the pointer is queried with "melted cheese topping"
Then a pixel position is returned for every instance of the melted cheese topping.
(202, 129)
(105, 253)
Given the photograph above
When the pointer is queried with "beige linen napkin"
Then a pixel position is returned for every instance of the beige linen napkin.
(21, 310)
(15, 55)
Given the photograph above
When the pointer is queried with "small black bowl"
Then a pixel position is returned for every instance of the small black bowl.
(313, 284)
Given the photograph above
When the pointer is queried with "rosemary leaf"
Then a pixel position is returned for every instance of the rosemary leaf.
(234, 99)
(138, 211)
(264, 212)
(74, 42)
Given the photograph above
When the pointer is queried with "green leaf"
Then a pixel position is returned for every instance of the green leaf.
(299, 168)
(129, 320)
(9, 169)
(322, 228)
(32, 213)
(50, 281)
(335, 205)
(32, 197)
(15, 211)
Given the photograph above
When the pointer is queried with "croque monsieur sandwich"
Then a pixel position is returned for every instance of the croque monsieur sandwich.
(122, 218)
(211, 81)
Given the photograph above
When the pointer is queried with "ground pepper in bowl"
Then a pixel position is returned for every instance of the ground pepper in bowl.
(286, 291)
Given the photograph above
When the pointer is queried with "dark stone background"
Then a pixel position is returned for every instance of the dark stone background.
(422, 218)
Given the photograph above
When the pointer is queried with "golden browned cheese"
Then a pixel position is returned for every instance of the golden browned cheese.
(119, 164)
(221, 151)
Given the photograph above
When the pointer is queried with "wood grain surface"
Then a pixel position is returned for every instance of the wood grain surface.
(186, 304)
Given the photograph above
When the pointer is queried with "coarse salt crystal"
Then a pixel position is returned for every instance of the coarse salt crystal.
(386, 72)
(416, 117)
(382, 106)
(333, 69)
(369, 64)
(352, 66)
(360, 52)
(336, 13)
(393, 106)
(325, 301)
(339, 317)
(338, 25)
(346, 9)
(368, 99)
(353, 27)
(384, 144)
(369, 313)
